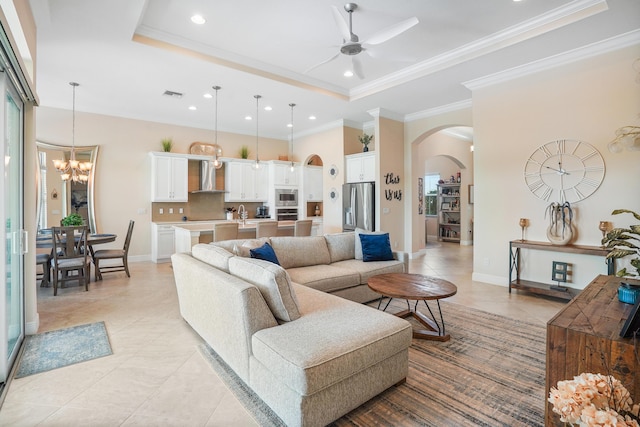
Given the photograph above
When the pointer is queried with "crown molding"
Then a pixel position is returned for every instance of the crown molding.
(387, 114)
(614, 43)
(455, 106)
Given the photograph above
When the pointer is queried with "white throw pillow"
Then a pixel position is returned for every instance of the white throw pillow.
(360, 231)
(273, 282)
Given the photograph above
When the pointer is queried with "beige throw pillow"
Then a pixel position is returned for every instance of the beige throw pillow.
(273, 282)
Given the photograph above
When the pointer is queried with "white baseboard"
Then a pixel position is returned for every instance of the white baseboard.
(488, 278)
(31, 328)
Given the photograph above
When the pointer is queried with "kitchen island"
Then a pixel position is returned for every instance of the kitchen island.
(189, 234)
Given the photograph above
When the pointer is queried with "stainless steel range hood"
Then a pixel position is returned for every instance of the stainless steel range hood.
(208, 178)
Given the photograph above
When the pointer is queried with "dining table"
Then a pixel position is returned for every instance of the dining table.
(44, 240)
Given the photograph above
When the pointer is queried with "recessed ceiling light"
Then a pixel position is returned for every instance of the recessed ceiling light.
(268, 108)
(348, 73)
(312, 117)
(198, 19)
(247, 118)
(289, 125)
(193, 108)
(208, 95)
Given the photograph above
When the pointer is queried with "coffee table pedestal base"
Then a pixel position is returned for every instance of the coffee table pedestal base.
(431, 333)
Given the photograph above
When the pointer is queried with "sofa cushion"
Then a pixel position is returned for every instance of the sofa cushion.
(327, 278)
(341, 246)
(264, 252)
(352, 337)
(272, 281)
(376, 247)
(300, 251)
(241, 247)
(358, 244)
(368, 269)
(212, 255)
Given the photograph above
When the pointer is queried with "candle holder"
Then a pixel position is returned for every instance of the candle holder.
(604, 227)
(524, 222)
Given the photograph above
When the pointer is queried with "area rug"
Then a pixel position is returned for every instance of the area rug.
(491, 373)
(63, 347)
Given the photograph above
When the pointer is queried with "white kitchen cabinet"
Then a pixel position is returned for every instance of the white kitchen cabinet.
(169, 178)
(361, 167)
(162, 242)
(283, 176)
(312, 183)
(244, 183)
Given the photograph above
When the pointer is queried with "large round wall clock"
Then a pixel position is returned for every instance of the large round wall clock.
(564, 171)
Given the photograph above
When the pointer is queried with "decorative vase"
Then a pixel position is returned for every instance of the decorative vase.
(561, 235)
(229, 216)
(365, 149)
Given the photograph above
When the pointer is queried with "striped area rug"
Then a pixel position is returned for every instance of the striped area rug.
(491, 373)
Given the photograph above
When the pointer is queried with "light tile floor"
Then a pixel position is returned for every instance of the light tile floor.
(156, 375)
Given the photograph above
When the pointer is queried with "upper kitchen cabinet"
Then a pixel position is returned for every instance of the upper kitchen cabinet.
(169, 177)
(361, 167)
(244, 183)
(283, 176)
(312, 183)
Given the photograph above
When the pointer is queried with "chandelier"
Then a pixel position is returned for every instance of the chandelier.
(626, 137)
(73, 169)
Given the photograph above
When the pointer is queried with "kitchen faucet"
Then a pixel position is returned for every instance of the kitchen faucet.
(242, 213)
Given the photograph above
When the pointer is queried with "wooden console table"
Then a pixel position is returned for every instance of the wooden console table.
(584, 337)
(542, 288)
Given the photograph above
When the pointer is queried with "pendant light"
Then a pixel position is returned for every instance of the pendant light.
(217, 163)
(292, 167)
(257, 164)
(73, 169)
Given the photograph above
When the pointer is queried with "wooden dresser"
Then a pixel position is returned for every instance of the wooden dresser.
(585, 337)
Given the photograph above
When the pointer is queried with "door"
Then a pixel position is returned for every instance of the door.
(14, 247)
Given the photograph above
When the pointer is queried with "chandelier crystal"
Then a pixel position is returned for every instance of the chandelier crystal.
(72, 169)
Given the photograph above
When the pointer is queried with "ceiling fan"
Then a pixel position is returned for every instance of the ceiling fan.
(352, 46)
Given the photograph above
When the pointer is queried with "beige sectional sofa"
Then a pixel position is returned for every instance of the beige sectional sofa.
(310, 355)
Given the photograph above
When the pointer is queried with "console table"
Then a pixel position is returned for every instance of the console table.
(542, 288)
(584, 337)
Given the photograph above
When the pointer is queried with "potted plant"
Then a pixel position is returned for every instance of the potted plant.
(365, 140)
(623, 242)
(72, 220)
(229, 212)
(244, 152)
(167, 144)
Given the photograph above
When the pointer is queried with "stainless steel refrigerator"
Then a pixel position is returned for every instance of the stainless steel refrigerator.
(358, 206)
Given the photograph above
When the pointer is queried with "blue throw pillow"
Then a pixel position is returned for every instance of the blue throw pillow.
(376, 247)
(265, 252)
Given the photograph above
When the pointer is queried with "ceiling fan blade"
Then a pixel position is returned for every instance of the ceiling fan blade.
(392, 31)
(376, 54)
(357, 67)
(323, 62)
(341, 23)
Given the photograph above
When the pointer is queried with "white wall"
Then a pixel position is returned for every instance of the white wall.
(587, 100)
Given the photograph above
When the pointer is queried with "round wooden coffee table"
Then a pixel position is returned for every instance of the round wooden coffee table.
(419, 288)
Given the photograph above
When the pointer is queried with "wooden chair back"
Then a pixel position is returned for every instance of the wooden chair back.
(266, 228)
(302, 227)
(225, 231)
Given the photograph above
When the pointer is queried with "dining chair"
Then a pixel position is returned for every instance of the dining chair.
(122, 254)
(44, 260)
(302, 227)
(225, 231)
(70, 253)
(266, 229)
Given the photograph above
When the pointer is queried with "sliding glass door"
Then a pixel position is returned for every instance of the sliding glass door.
(14, 246)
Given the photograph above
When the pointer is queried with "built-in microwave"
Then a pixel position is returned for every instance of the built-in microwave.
(286, 197)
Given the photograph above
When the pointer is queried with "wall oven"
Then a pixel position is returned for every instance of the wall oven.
(286, 197)
(287, 214)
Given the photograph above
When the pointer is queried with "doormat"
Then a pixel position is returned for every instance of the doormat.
(63, 347)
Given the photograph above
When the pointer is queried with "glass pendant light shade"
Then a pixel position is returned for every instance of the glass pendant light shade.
(217, 163)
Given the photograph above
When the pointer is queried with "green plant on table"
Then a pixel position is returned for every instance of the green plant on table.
(624, 242)
(72, 220)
